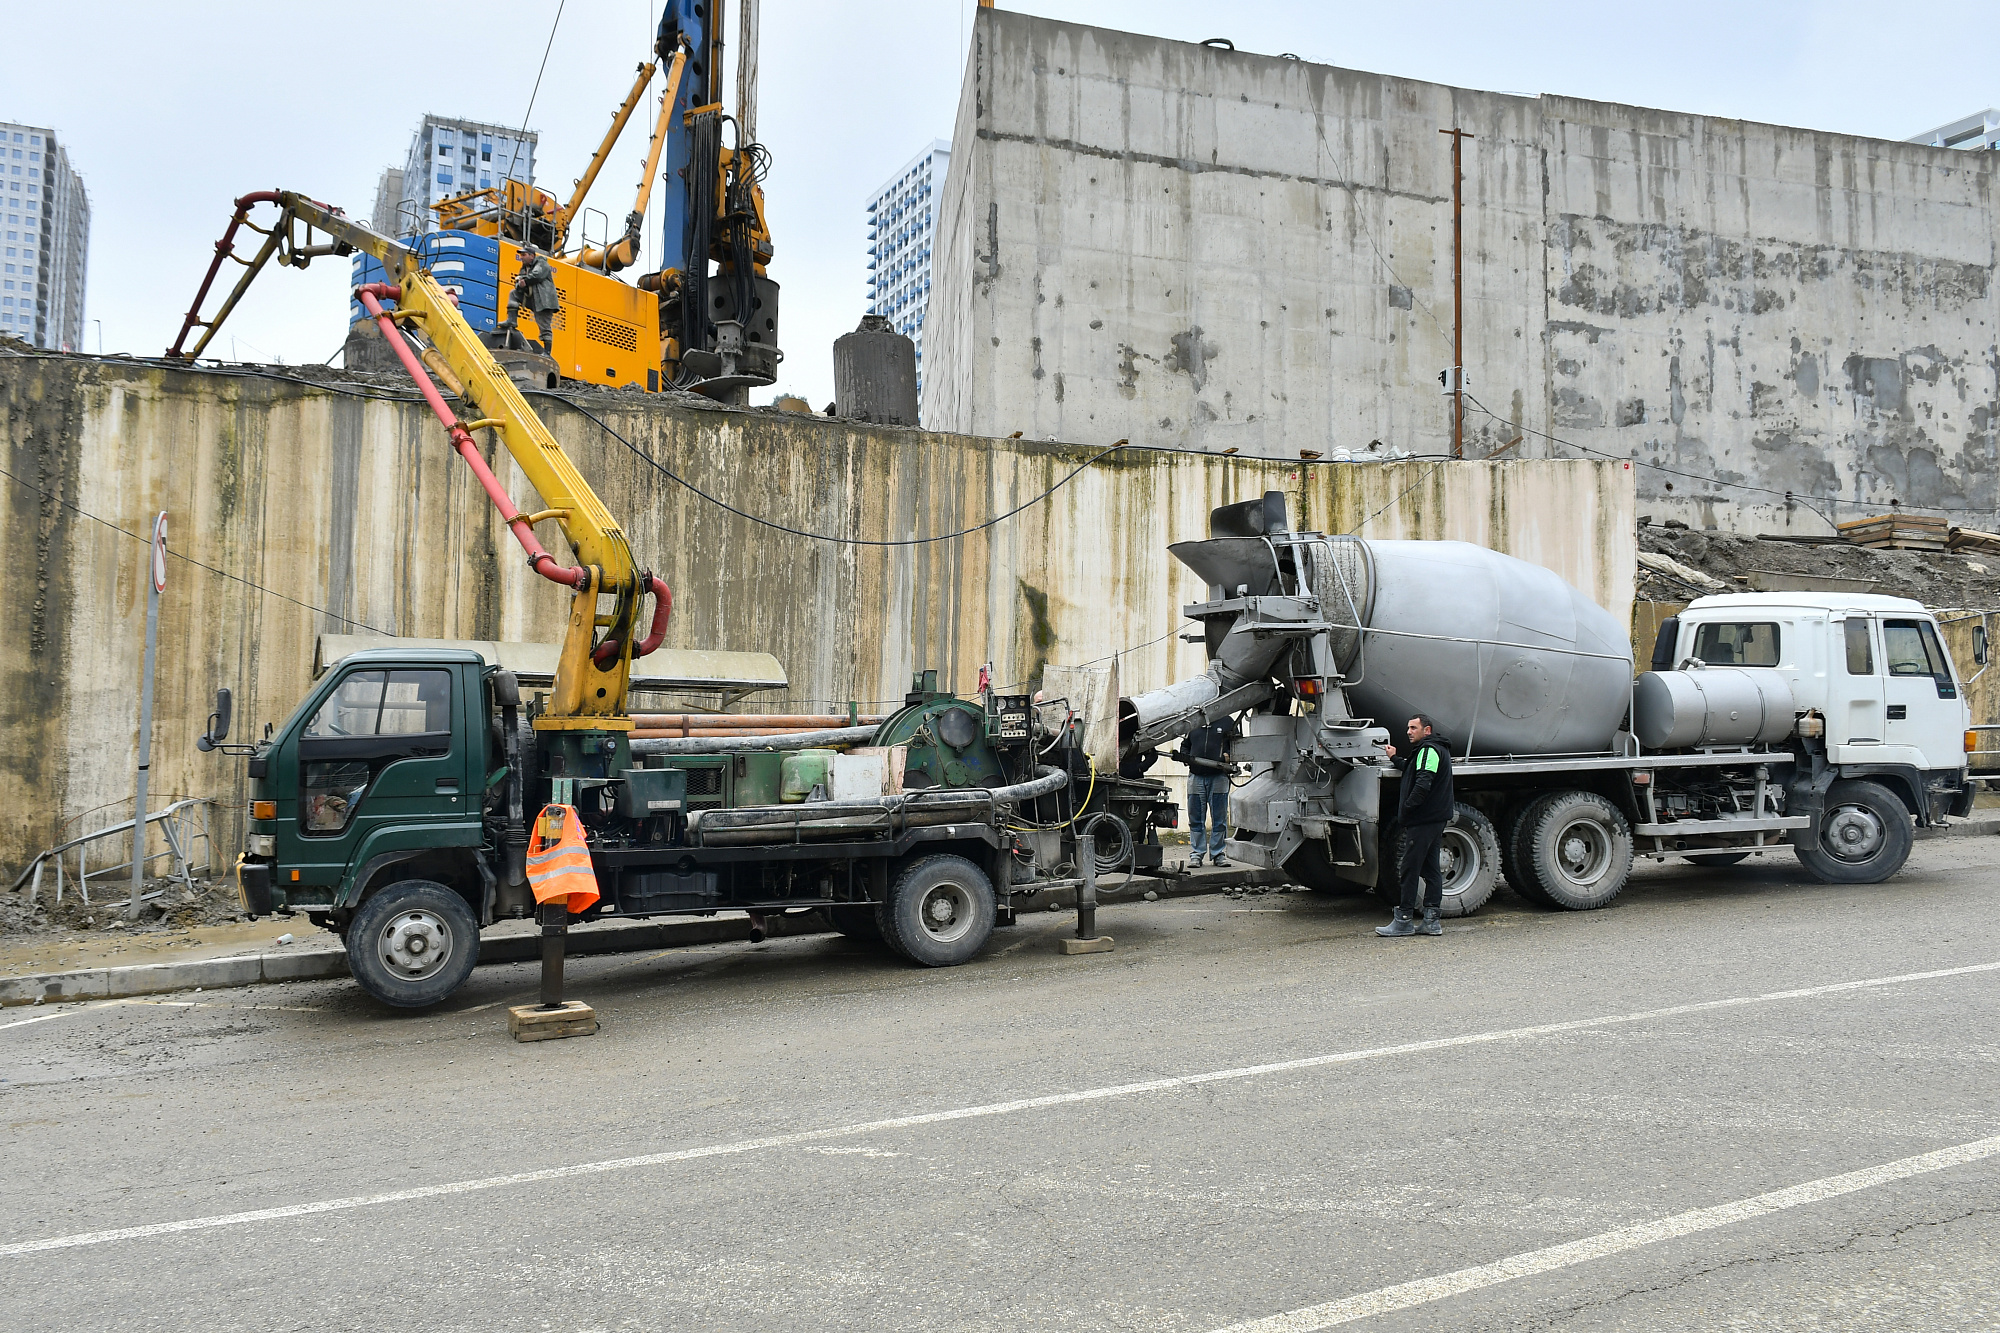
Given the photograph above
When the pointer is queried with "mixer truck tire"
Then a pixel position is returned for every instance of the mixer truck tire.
(1311, 866)
(1469, 857)
(1579, 849)
(1863, 835)
(1515, 863)
(939, 911)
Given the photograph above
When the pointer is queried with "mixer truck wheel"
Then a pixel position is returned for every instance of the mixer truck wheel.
(1515, 863)
(940, 911)
(1579, 849)
(1311, 866)
(1863, 836)
(1468, 856)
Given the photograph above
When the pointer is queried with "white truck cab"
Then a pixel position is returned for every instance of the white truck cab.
(1874, 668)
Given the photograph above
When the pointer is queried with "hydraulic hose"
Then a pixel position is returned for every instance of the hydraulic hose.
(800, 740)
(570, 576)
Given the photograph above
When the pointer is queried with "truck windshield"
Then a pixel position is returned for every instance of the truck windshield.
(1911, 648)
(1737, 643)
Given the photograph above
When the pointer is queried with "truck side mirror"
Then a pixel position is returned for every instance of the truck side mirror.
(1664, 642)
(1979, 645)
(506, 689)
(218, 722)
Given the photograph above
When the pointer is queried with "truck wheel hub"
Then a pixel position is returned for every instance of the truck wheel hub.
(415, 945)
(1854, 833)
(947, 912)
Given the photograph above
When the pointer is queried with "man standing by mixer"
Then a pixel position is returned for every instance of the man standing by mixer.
(1424, 810)
(1206, 754)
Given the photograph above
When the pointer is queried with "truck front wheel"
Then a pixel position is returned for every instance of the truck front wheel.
(1579, 849)
(939, 912)
(1863, 835)
(412, 943)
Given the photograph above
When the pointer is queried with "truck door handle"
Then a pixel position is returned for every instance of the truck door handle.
(447, 784)
(1899, 712)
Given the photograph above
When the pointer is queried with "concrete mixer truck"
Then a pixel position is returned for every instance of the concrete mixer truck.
(1831, 723)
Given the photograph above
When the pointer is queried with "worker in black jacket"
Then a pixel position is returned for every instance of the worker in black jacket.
(1206, 754)
(1424, 810)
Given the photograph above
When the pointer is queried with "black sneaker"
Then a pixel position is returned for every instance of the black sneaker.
(1430, 925)
(1399, 926)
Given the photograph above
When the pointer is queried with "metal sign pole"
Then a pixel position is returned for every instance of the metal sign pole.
(156, 583)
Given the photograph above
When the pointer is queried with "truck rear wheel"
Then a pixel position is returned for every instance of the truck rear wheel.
(939, 912)
(1515, 863)
(1468, 857)
(412, 943)
(1863, 835)
(1579, 849)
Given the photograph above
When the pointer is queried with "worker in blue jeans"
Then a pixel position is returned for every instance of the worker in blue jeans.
(1206, 754)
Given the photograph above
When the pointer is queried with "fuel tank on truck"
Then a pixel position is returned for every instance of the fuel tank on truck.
(1504, 656)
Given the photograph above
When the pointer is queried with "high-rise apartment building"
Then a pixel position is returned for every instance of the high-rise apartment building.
(46, 224)
(448, 157)
(902, 224)
(1981, 131)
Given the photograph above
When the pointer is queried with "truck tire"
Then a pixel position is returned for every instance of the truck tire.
(1515, 863)
(1579, 849)
(1863, 835)
(1311, 866)
(939, 911)
(412, 943)
(1469, 858)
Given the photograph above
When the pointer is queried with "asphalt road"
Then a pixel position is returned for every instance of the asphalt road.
(1252, 1110)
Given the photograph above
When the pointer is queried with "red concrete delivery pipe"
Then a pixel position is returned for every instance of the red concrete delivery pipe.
(571, 576)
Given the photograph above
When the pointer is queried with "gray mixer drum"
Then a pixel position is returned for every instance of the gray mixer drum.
(1513, 691)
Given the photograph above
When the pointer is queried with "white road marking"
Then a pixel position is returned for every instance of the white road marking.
(741, 1146)
(1424, 1291)
(66, 1011)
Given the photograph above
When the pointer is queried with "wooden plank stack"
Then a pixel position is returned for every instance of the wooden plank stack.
(1897, 532)
(1971, 541)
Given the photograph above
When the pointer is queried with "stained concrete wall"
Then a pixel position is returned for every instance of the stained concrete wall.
(350, 512)
(1219, 250)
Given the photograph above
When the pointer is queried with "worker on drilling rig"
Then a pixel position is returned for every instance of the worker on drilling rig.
(535, 291)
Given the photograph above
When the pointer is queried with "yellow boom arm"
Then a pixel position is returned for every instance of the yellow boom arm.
(594, 668)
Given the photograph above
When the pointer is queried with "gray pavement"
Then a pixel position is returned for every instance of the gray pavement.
(832, 1140)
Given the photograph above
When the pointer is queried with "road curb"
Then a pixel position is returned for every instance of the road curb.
(116, 983)
(1966, 828)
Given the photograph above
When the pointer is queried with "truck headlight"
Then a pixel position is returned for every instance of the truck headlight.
(263, 844)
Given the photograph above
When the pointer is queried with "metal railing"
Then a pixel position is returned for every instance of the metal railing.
(184, 823)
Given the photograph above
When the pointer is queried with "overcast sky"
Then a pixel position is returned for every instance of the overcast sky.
(172, 110)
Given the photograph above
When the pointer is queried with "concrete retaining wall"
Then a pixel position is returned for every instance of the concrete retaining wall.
(352, 512)
(1225, 250)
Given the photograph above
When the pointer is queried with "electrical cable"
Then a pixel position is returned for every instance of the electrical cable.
(679, 480)
(537, 91)
(234, 578)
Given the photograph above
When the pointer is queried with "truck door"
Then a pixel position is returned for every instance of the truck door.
(1854, 704)
(1921, 701)
(378, 751)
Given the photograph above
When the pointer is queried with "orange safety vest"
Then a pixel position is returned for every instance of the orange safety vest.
(558, 860)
